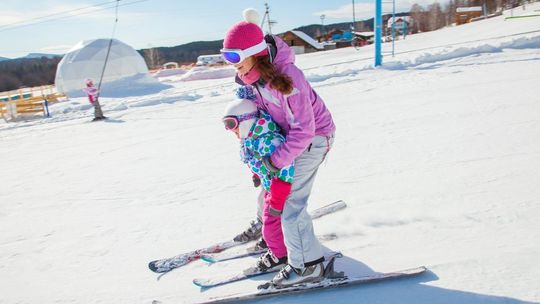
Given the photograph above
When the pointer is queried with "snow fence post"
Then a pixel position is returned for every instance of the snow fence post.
(46, 103)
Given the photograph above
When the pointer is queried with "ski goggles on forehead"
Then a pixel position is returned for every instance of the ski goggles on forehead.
(236, 55)
(232, 122)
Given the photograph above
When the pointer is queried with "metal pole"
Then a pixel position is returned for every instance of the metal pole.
(353, 17)
(393, 26)
(322, 23)
(267, 13)
(377, 25)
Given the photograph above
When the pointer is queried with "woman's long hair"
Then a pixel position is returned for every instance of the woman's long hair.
(278, 81)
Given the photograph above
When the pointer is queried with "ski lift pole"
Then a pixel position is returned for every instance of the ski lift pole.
(377, 25)
(108, 50)
(98, 113)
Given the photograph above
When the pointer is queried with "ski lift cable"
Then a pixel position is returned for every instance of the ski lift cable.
(9, 27)
(108, 49)
(31, 20)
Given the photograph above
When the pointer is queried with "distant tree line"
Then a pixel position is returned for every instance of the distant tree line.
(27, 72)
(182, 54)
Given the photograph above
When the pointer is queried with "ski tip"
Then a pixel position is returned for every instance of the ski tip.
(419, 269)
(152, 266)
(157, 269)
(415, 271)
(342, 204)
(208, 259)
(200, 283)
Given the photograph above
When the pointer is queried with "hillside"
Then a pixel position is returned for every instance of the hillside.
(188, 53)
(11, 76)
(27, 72)
(183, 54)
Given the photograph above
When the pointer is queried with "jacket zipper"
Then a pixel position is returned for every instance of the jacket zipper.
(262, 98)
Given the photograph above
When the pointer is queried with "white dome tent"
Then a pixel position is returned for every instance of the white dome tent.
(125, 69)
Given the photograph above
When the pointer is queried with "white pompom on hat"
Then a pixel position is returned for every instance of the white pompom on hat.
(251, 15)
(239, 107)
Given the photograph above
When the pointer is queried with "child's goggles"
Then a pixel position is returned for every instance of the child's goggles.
(232, 122)
(236, 55)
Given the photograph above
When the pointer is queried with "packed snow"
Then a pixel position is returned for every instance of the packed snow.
(436, 153)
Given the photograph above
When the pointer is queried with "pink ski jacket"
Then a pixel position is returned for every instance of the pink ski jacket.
(301, 114)
(92, 93)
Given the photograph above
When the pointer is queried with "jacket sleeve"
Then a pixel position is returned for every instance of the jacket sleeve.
(299, 110)
(266, 145)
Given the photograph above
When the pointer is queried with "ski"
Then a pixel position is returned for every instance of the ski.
(168, 264)
(246, 274)
(325, 284)
(212, 258)
(330, 208)
(217, 258)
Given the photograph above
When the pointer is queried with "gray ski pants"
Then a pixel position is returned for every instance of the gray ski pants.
(302, 244)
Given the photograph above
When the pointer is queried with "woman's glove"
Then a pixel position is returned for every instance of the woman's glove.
(269, 165)
(279, 191)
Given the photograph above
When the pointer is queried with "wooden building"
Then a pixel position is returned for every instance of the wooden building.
(401, 25)
(301, 42)
(466, 14)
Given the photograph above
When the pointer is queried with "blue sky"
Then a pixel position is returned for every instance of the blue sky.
(152, 23)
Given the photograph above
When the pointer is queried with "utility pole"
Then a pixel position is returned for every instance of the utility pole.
(322, 23)
(267, 15)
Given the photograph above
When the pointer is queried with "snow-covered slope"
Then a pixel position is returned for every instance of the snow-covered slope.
(437, 155)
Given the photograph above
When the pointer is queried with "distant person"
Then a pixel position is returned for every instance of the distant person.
(259, 136)
(281, 90)
(93, 93)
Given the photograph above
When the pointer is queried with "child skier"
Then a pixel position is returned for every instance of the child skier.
(259, 136)
(92, 92)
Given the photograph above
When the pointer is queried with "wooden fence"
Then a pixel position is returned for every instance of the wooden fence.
(28, 101)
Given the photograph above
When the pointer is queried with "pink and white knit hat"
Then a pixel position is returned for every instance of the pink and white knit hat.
(245, 34)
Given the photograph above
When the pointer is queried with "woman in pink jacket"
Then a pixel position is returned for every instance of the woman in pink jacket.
(267, 65)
